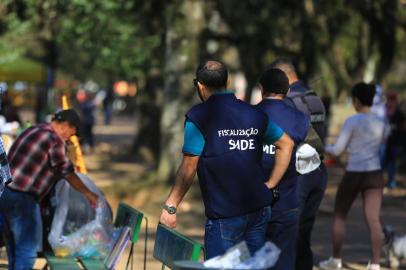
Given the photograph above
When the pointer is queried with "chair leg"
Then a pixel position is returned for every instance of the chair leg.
(145, 243)
(130, 257)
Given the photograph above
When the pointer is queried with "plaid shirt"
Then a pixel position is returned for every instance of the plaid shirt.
(5, 176)
(37, 159)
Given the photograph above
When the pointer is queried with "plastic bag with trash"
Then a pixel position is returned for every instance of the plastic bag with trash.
(77, 229)
(238, 257)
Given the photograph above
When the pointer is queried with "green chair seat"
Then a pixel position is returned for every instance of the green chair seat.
(67, 263)
(91, 264)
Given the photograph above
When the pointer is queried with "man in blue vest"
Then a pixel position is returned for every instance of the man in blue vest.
(223, 142)
(311, 186)
(282, 229)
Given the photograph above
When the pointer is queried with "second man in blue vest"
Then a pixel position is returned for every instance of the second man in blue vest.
(223, 142)
(282, 229)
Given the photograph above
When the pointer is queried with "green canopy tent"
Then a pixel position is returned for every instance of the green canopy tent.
(23, 69)
(31, 72)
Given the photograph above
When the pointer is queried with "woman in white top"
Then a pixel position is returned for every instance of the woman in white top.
(361, 135)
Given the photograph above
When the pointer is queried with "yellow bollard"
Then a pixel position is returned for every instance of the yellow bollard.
(78, 159)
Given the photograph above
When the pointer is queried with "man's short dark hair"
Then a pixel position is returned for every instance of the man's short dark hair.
(212, 74)
(364, 92)
(275, 81)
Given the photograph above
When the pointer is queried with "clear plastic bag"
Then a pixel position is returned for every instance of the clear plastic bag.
(78, 229)
(231, 259)
(238, 257)
(264, 258)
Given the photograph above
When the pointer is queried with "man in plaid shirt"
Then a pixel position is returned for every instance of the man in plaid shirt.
(37, 160)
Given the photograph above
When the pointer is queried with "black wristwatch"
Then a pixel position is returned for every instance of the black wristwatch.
(170, 209)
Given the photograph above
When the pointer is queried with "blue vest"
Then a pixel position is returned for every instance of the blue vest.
(295, 124)
(230, 173)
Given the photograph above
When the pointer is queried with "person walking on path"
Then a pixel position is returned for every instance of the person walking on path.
(282, 229)
(37, 160)
(361, 135)
(87, 108)
(394, 143)
(311, 186)
(223, 143)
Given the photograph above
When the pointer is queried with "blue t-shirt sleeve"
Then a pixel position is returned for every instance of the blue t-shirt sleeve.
(273, 133)
(193, 142)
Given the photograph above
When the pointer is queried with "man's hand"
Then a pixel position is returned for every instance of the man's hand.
(270, 185)
(77, 184)
(92, 198)
(168, 219)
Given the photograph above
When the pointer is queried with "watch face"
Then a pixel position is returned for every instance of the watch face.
(170, 209)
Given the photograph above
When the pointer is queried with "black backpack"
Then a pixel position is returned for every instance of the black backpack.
(311, 104)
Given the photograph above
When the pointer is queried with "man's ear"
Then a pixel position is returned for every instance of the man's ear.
(262, 91)
(200, 91)
(200, 86)
(65, 125)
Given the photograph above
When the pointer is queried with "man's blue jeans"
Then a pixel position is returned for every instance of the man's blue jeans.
(221, 234)
(282, 231)
(22, 215)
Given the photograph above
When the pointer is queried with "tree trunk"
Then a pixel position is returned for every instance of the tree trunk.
(50, 60)
(184, 24)
(149, 109)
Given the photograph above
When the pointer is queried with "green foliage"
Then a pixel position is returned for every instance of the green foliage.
(119, 39)
(91, 38)
(12, 46)
(109, 38)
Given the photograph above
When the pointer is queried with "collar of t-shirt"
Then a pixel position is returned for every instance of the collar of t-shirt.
(224, 92)
(297, 86)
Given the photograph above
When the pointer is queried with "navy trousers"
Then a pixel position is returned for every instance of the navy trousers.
(282, 231)
(310, 192)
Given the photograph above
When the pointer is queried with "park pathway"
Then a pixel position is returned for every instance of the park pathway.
(119, 175)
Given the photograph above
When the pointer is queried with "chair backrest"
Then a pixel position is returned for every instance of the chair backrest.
(128, 216)
(171, 246)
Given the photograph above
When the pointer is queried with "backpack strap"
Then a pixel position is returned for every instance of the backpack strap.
(301, 103)
(309, 103)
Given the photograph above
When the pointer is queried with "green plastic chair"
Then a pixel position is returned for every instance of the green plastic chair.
(171, 246)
